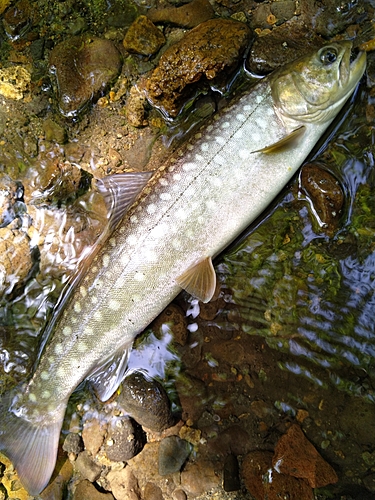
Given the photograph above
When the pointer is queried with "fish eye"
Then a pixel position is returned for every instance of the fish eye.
(328, 55)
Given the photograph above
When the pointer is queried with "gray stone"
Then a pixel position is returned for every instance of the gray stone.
(73, 443)
(173, 452)
(86, 466)
(124, 440)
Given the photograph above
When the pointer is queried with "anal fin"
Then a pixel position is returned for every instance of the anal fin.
(199, 280)
(284, 143)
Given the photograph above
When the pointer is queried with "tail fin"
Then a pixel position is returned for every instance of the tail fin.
(32, 448)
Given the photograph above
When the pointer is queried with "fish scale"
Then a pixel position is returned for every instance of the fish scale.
(192, 208)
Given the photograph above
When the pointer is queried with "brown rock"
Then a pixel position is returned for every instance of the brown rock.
(143, 37)
(254, 466)
(93, 435)
(205, 51)
(325, 193)
(199, 477)
(281, 46)
(296, 456)
(282, 486)
(124, 440)
(83, 66)
(152, 492)
(187, 16)
(124, 484)
(174, 317)
(86, 466)
(86, 490)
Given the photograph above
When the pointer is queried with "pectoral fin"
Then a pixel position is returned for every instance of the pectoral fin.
(106, 378)
(199, 280)
(120, 191)
(285, 143)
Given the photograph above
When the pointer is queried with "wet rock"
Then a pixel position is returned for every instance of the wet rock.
(73, 443)
(143, 37)
(86, 466)
(187, 16)
(83, 67)
(54, 132)
(198, 478)
(14, 82)
(93, 435)
(281, 46)
(146, 401)
(86, 490)
(206, 51)
(254, 465)
(325, 194)
(60, 183)
(152, 492)
(233, 440)
(16, 259)
(17, 19)
(124, 484)
(283, 10)
(296, 456)
(278, 486)
(330, 16)
(124, 440)
(174, 317)
(231, 478)
(173, 453)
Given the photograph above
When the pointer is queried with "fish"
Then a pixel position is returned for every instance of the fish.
(168, 226)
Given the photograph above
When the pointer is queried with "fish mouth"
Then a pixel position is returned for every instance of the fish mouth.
(352, 66)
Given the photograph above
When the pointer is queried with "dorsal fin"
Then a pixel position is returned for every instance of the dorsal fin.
(120, 191)
(199, 280)
(284, 143)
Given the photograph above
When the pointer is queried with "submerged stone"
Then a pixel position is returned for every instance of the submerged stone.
(146, 401)
(206, 51)
(173, 452)
(143, 37)
(83, 67)
(124, 440)
(187, 16)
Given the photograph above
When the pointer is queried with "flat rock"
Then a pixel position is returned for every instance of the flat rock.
(124, 484)
(296, 456)
(86, 490)
(86, 466)
(173, 452)
(207, 50)
(83, 67)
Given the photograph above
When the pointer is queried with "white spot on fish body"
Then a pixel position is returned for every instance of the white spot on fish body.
(165, 196)
(133, 219)
(32, 397)
(81, 347)
(225, 125)
(131, 240)
(44, 375)
(97, 315)
(238, 134)
(67, 331)
(220, 140)
(139, 276)
(219, 160)
(77, 307)
(241, 117)
(88, 330)
(258, 99)
(83, 291)
(151, 209)
(46, 394)
(106, 260)
(112, 242)
(209, 128)
(181, 214)
(163, 181)
(247, 107)
(210, 204)
(188, 167)
(114, 304)
(59, 349)
(205, 146)
(176, 244)
(177, 177)
(94, 299)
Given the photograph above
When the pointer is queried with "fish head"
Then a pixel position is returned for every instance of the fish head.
(314, 87)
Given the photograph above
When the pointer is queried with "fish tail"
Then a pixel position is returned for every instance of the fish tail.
(30, 446)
